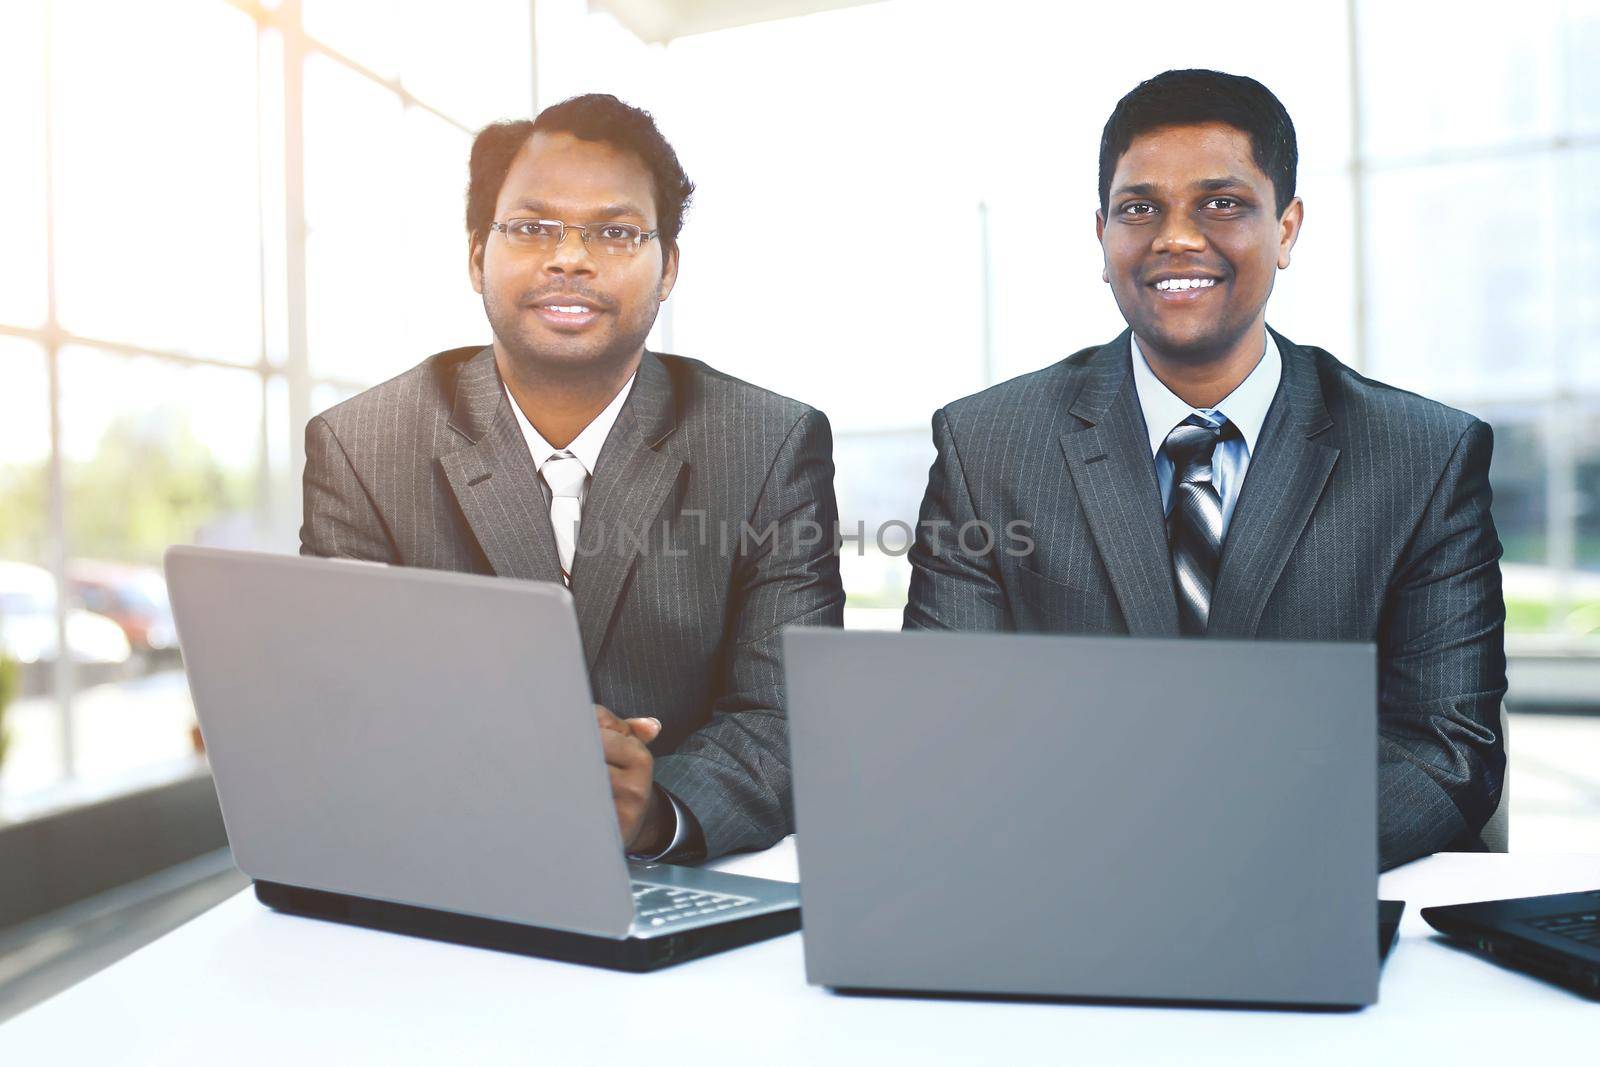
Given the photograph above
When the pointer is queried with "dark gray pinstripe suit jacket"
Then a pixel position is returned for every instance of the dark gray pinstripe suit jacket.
(431, 470)
(1364, 516)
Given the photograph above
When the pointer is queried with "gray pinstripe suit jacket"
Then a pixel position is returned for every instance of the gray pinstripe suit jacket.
(1364, 517)
(431, 470)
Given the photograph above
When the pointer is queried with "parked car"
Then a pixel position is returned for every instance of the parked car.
(30, 636)
(133, 597)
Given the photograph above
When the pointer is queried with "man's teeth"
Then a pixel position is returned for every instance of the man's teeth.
(568, 309)
(1171, 284)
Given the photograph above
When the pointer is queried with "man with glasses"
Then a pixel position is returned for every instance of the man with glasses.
(1203, 475)
(690, 513)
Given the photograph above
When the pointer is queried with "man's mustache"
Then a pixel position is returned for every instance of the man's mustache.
(580, 292)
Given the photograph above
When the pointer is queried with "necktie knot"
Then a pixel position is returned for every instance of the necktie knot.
(1192, 443)
(564, 473)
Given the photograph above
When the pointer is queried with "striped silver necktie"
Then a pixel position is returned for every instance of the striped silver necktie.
(566, 475)
(1194, 521)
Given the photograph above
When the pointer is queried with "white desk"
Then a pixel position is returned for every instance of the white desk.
(242, 984)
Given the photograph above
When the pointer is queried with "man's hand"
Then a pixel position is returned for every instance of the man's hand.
(640, 813)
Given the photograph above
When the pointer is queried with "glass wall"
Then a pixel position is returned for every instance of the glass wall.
(1479, 151)
(215, 219)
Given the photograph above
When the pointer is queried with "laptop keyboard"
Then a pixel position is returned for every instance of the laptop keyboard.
(1581, 926)
(659, 905)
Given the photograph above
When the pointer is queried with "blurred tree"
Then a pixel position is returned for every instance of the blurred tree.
(151, 483)
(8, 688)
(24, 500)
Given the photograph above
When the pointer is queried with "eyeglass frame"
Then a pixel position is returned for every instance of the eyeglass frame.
(582, 230)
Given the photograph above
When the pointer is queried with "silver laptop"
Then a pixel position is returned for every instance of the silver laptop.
(1103, 817)
(417, 750)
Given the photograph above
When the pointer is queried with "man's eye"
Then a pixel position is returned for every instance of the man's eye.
(1222, 203)
(1137, 208)
(615, 233)
(525, 228)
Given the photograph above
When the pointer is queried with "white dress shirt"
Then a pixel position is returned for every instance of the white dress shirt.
(586, 446)
(586, 449)
(1245, 407)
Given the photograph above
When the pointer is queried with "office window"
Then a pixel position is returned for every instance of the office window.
(356, 218)
(156, 453)
(1312, 302)
(369, 32)
(584, 52)
(29, 625)
(22, 179)
(1479, 156)
(181, 135)
(1438, 76)
(1461, 270)
(1586, 506)
(24, 451)
(468, 61)
(1579, 36)
(1578, 256)
(156, 212)
(386, 249)
(1519, 474)
(441, 310)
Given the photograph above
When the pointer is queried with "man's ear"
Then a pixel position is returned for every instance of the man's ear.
(1100, 238)
(475, 263)
(669, 272)
(1294, 216)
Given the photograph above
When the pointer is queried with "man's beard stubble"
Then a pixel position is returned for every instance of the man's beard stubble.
(1216, 344)
(532, 361)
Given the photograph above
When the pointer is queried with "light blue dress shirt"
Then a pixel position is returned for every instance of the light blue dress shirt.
(1245, 407)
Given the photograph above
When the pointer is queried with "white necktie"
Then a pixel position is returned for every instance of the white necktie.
(565, 473)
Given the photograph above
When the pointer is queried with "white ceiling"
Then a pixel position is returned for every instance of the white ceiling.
(659, 21)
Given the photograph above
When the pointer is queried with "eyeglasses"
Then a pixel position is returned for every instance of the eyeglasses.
(612, 238)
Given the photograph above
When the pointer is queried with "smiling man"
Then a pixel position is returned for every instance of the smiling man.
(690, 513)
(1204, 475)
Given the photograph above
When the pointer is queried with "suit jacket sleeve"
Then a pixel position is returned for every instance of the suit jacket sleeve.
(951, 589)
(339, 517)
(733, 774)
(1441, 760)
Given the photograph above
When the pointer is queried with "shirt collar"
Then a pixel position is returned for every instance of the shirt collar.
(1245, 407)
(587, 445)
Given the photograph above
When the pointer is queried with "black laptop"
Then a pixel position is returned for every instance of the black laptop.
(1556, 937)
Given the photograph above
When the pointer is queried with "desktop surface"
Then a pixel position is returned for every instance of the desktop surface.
(250, 986)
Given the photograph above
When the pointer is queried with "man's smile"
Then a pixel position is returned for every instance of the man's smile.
(1172, 288)
(567, 311)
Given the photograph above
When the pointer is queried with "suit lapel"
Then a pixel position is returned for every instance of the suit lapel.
(631, 483)
(494, 480)
(1114, 474)
(1287, 474)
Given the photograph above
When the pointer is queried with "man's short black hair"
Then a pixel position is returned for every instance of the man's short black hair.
(1192, 97)
(592, 117)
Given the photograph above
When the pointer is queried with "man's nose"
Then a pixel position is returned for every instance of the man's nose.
(1179, 233)
(570, 256)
